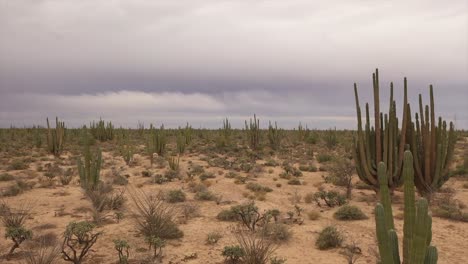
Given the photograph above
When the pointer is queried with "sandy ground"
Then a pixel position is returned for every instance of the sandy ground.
(58, 205)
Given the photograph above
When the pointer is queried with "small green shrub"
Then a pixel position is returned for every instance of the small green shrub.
(227, 215)
(233, 253)
(205, 195)
(213, 238)
(255, 187)
(176, 196)
(349, 212)
(328, 238)
(6, 177)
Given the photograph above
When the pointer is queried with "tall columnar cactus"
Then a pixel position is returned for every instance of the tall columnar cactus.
(385, 141)
(274, 136)
(417, 233)
(188, 134)
(55, 137)
(253, 132)
(156, 142)
(224, 137)
(89, 166)
(102, 131)
(432, 146)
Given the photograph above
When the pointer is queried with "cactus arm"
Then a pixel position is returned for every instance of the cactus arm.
(385, 195)
(378, 143)
(418, 248)
(382, 235)
(393, 240)
(431, 255)
(409, 209)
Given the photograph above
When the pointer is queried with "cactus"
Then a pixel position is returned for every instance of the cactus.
(432, 146)
(55, 137)
(274, 136)
(417, 224)
(188, 134)
(102, 131)
(157, 142)
(253, 132)
(382, 142)
(89, 169)
(181, 143)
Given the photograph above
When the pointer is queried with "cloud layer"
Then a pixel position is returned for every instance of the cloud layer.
(200, 60)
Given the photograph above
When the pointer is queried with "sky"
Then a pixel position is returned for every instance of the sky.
(199, 61)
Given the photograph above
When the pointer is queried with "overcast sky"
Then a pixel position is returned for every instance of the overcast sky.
(172, 61)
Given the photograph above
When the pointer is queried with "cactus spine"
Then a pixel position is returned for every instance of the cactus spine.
(417, 225)
(432, 146)
(55, 137)
(253, 132)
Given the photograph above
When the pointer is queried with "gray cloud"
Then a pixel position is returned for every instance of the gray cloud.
(286, 60)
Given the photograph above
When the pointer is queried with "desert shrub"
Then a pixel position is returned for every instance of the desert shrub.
(172, 175)
(66, 177)
(157, 244)
(213, 237)
(257, 248)
(341, 174)
(13, 220)
(276, 232)
(42, 253)
(329, 237)
(322, 158)
(277, 260)
(207, 175)
(331, 198)
(120, 180)
(255, 187)
(309, 167)
(154, 218)
(249, 215)
(18, 164)
(205, 195)
(122, 248)
(313, 215)
(6, 177)
(448, 208)
(17, 188)
(175, 196)
(79, 237)
(294, 182)
(349, 212)
(271, 163)
(189, 210)
(231, 175)
(309, 198)
(228, 215)
(196, 170)
(233, 253)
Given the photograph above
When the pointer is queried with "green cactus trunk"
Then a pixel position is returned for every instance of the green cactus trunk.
(417, 231)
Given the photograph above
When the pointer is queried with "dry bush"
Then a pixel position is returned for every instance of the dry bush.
(42, 252)
(257, 248)
(154, 217)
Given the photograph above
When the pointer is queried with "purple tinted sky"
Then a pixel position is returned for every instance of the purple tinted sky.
(201, 60)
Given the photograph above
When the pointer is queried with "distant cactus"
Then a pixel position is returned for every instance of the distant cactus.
(55, 137)
(89, 167)
(274, 136)
(417, 224)
(156, 142)
(253, 133)
(102, 131)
